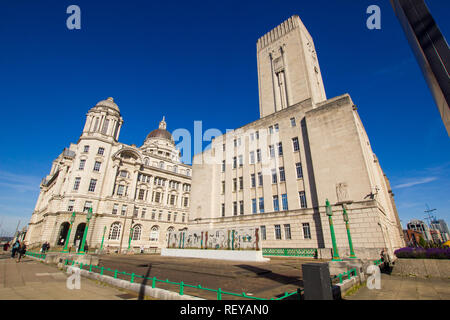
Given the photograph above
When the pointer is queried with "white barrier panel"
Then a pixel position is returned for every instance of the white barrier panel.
(241, 255)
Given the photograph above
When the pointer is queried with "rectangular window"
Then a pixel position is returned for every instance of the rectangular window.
(260, 179)
(277, 232)
(263, 232)
(293, 122)
(261, 205)
(71, 205)
(282, 175)
(258, 155)
(284, 201)
(124, 210)
(223, 209)
(276, 127)
(135, 212)
(276, 205)
(241, 183)
(223, 165)
(115, 208)
(183, 217)
(241, 207)
(234, 162)
(168, 216)
(87, 206)
(223, 147)
(270, 129)
(223, 187)
(274, 176)
(153, 214)
(252, 136)
(186, 201)
(287, 231)
(105, 126)
(234, 184)
(253, 180)
(235, 208)
(272, 151)
(157, 197)
(141, 194)
(302, 198)
(143, 213)
(306, 231)
(76, 185)
(120, 190)
(280, 149)
(100, 151)
(174, 217)
(295, 144)
(241, 161)
(97, 165)
(252, 157)
(257, 135)
(92, 185)
(82, 164)
(172, 199)
(253, 205)
(86, 149)
(160, 215)
(298, 167)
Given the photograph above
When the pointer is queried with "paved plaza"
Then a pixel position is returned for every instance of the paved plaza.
(34, 280)
(260, 279)
(405, 288)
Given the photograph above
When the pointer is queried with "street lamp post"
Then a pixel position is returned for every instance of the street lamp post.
(88, 217)
(350, 243)
(66, 242)
(131, 231)
(103, 238)
(333, 237)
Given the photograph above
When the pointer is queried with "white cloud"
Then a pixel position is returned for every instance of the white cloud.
(415, 182)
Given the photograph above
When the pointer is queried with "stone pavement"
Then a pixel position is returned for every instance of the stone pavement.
(260, 279)
(34, 280)
(405, 288)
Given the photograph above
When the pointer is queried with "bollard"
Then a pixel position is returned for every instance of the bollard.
(90, 268)
(181, 288)
(115, 274)
(101, 270)
(154, 282)
(132, 278)
(316, 281)
(219, 294)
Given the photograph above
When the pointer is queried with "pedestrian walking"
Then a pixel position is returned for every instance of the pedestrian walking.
(21, 251)
(14, 249)
(47, 247)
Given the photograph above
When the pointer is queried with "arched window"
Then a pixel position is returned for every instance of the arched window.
(161, 165)
(188, 172)
(154, 233)
(114, 231)
(136, 233)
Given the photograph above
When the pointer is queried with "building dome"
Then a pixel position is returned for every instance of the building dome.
(161, 132)
(108, 103)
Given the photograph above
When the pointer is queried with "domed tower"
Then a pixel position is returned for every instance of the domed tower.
(160, 142)
(103, 121)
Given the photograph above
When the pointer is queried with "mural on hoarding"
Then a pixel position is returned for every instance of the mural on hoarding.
(218, 239)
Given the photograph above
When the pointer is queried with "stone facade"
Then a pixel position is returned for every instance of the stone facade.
(277, 172)
(140, 190)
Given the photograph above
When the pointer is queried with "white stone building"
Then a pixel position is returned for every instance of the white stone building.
(277, 172)
(142, 192)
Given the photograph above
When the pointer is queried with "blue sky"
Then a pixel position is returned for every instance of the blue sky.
(196, 60)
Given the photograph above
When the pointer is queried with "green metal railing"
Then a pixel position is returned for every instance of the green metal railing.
(181, 284)
(35, 255)
(349, 274)
(378, 262)
(290, 252)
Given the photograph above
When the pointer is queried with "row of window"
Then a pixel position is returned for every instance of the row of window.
(136, 232)
(100, 150)
(91, 188)
(239, 160)
(274, 175)
(258, 204)
(287, 232)
(143, 213)
(255, 135)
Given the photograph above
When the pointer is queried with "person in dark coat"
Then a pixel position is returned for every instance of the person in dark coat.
(22, 250)
(6, 246)
(14, 249)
